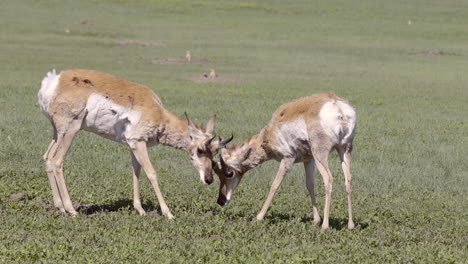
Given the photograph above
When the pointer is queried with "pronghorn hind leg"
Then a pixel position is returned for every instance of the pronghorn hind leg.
(140, 151)
(309, 167)
(321, 161)
(345, 156)
(57, 155)
(136, 168)
(285, 164)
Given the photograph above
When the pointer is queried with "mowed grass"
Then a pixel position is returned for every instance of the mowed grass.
(408, 84)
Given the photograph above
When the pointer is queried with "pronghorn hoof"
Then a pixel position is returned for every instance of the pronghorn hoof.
(142, 213)
(170, 216)
(73, 213)
(317, 219)
(350, 225)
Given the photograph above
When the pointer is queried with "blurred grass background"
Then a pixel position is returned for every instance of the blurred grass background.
(407, 81)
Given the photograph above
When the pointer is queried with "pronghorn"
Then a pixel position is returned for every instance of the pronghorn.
(305, 130)
(122, 111)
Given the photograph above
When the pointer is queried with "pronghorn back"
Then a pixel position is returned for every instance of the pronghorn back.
(113, 106)
(82, 83)
(321, 118)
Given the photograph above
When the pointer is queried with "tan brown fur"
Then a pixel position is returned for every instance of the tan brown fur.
(267, 145)
(67, 110)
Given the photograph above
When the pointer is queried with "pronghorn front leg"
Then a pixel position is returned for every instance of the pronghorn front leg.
(51, 175)
(140, 151)
(136, 167)
(285, 164)
(309, 168)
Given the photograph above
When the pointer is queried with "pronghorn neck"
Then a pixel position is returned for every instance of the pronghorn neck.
(257, 154)
(174, 133)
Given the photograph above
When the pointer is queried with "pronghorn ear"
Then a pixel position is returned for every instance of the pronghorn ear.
(247, 154)
(210, 125)
(189, 122)
(192, 129)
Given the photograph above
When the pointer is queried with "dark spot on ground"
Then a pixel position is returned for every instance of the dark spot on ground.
(140, 43)
(84, 22)
(87, 209)
(218, 79)
(433, 52)
(178, 61)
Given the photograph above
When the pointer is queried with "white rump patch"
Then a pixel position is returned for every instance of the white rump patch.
(338, 120)
(109, 119)
(48, 90)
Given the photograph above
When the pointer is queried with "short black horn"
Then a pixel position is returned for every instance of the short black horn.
(223, 143)
(207, 144)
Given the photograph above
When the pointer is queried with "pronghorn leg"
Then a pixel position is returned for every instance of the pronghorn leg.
(321, 161)
(141, 154)
(57, 155)
(309, 169)
(285, 164)
(136, 185)
(51, 175)
(345, 157)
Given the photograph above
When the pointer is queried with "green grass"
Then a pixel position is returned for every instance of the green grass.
(409, 166)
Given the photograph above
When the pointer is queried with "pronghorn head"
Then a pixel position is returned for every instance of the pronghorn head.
(202, 148)
(229, 169)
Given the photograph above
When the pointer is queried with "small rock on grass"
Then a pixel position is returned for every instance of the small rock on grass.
(215, 237)
(209, 214)
(17, 196)
(153, 213)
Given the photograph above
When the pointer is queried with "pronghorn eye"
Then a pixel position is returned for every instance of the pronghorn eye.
(199, 151)
(230, 174)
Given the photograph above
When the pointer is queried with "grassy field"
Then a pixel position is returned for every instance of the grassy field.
(408, 83)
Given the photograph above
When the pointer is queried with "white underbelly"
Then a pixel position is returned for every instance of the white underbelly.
(293, 139)
(108, 119)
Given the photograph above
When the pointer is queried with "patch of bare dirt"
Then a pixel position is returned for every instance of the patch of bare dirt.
(178, 61)
(48, 206)
(140, 43)
(84, 23)
(432, 52)
(218, 79)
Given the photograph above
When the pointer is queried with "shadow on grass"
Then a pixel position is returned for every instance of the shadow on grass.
(335, 223)
(114, 206)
